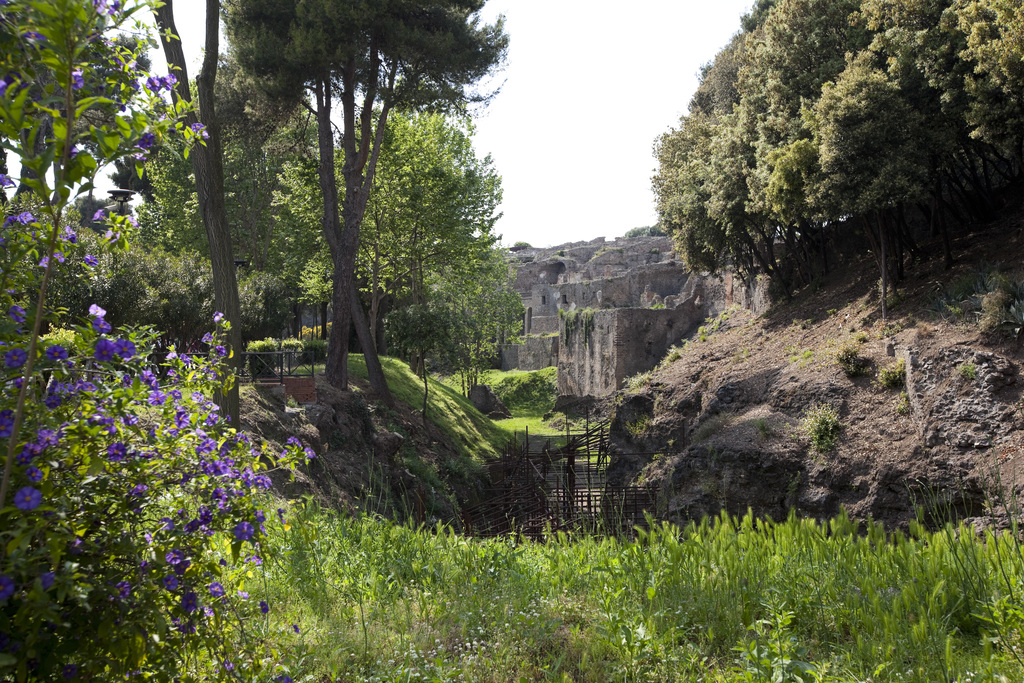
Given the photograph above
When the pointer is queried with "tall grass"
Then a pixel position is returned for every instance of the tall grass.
(726, 599)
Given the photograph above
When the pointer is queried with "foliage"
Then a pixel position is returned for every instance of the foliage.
(967, 371)
(136, 510)
(870, 124)
(434, 204)
(893, 376)
(577, 322)
(645, 231)
(846, 355)
(526, 394)
(822, 426)
(712, 600)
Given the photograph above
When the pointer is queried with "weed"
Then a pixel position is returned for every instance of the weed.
(712, 426)
(673, 354)
(847, 356)
(740, 355)
(638, 381)
(763, 428)
(967, 371)
(903, 404)
(797, 356)
(831, 312)
(639, 426)
(893, 376)
(822, 426)
(890, 329)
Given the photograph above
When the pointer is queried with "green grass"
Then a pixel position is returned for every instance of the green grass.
(473, 434)
(529, 395)
(723, 600)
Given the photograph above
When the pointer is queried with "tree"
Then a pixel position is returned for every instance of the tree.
(207, 166)
(433, 203)
(373, 58)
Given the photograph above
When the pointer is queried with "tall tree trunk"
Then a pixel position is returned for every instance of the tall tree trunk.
(207, 166)
(374, 371)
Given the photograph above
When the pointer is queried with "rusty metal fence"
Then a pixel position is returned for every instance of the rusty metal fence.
(548, 484)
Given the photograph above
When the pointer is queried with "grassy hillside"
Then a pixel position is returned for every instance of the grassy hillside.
(474, 435)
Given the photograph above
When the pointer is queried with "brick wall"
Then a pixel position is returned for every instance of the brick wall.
(302, 389)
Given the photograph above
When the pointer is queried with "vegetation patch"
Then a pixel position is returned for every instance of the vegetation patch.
(846, 355)
(711, 426)
(577, 322)
(822, 426)
(893, 376)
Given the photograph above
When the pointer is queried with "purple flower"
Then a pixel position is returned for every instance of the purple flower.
(220, 350)
(218, 316)
(5, 180)
(6, 422)
(200, 130)
(70, 671)
(100, 325)
(105, 350)
(17, 313)
(157, 398)
(15, 358)
(100, 215)
(34, 474)
(91, 260)
(168, 81)
(46, 579)
(190, 602)
(170, 582)
(139, 489)
(96, 311)
(264, 607)
(125, 348)
(147, 140)
(24, 218)
(244, 531)
(295, 627)
(174, 556)
(216, 590)
(77, 81)
(32, 35)
(124, 589)
(6, 587)
(117, 451)
(27, 498)
(57, 353)
(70, 235)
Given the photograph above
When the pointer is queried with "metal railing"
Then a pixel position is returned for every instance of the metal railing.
(270, 366)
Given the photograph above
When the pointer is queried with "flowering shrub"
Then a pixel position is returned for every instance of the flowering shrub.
(127, 504)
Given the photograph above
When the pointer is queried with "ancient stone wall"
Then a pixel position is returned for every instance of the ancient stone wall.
(600, 349)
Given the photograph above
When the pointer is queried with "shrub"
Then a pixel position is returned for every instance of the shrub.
(129, 509)
(967, 371)
(893, 376)
(639, 381)
(314, 350)
(639, 426)
(847, 356)
(822, 426)
(903, 404)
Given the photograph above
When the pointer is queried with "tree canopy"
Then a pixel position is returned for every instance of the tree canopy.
(879, 120)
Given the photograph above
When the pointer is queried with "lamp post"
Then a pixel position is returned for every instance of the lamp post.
(121, 197)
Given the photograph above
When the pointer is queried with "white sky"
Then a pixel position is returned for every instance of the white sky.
(588, 88)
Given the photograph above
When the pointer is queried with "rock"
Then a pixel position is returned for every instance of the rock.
(387, 444)
(487, 402)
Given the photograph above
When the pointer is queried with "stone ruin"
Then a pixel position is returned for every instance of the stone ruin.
(603, 311)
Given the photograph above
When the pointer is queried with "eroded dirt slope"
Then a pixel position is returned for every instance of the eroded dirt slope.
(720, 426)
